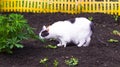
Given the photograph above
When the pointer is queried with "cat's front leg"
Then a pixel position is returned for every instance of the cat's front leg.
(62, 43)
(59, 45)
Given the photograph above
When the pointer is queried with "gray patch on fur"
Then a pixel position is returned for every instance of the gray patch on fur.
(44, 33)
(92, 27)
(72, 20)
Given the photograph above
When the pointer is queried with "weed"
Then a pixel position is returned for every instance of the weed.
(55, 63)
(113, 41)
(51, 46)
(90, 18)
(115, 32)
(13, 28)
(115, 17)
(72, 61)
(44, 61)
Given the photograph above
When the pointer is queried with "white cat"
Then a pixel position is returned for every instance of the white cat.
(77, 30)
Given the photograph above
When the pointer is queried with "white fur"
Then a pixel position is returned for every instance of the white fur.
(78, 32)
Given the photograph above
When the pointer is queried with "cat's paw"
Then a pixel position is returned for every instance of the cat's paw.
(59, 45)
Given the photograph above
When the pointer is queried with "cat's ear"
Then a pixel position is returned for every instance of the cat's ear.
(44, 27)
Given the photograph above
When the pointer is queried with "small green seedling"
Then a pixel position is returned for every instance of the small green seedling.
(115, 32)
(116, 17)
(90, 18)
(51, 46)
(113, 41)
(72, 61)
(55, 63)
(44, 61)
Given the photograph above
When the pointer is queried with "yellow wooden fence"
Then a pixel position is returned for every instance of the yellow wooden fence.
(66, 6)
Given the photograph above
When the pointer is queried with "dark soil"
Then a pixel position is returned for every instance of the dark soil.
(97, 54)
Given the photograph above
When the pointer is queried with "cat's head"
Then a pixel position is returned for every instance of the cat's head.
(44, 33)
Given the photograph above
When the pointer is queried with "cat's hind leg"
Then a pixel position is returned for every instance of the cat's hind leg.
(81, 42)
(87, 42)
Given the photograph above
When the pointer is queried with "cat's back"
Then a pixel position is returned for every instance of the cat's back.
(61, 25)
(68, 25)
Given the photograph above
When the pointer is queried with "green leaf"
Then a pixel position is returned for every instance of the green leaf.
(115, 32)
(11, 46)
(116, 17)
(55, 63)
(19, 45)
(42, 40)
(43, 61)
(51, 46)
(14, 29)
(113, 41)
(90, 18)
(72, 61)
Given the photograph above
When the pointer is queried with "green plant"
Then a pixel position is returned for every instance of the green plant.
(44, 61)
(42, 40)
(115, 17)
(72, 61)
(13, 28)
(115, 32)
(51, 46)
(55, 63)
(113, 41)
(90, 18)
